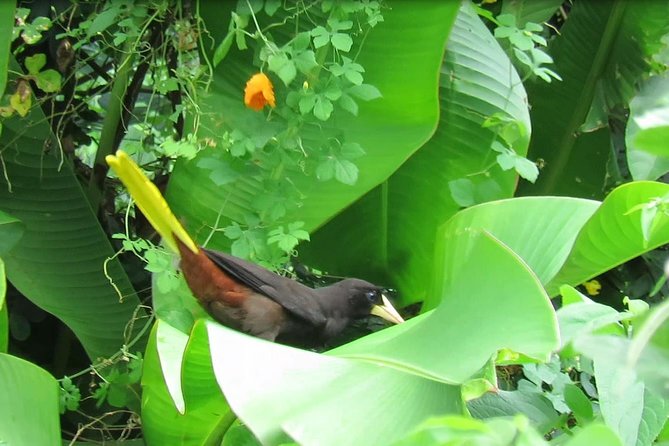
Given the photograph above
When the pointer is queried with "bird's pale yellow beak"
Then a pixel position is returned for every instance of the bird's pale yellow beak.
(387, 311)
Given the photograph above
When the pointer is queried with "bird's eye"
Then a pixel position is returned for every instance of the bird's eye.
(372, 296)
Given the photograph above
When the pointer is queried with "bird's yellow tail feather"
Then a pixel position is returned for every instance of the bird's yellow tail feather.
(150, 201)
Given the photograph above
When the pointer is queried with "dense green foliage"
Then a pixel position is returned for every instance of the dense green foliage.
(499, 164)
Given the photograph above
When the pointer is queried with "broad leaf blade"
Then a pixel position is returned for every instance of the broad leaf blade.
(531, 227)
(478, 277)
(613, 234)
(28, 404)
(63, 240)
(389, 235)
(206, 415)
(279, 391)
(604, 49)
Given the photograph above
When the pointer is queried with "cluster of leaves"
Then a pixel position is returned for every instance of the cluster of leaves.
(29, 31)
(526, 46)
(119, 387)
(47, 81)
(309, 49)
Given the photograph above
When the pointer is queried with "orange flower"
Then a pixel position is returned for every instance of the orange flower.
(259, 92)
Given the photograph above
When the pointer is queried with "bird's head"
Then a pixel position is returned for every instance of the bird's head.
(364, 298)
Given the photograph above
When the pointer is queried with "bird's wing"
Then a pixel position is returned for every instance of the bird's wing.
(296, 298)
(150, 201)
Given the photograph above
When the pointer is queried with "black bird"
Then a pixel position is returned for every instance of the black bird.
(248, 297)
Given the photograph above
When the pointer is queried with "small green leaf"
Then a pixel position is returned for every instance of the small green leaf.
(326, 169)
(103, 20)
(526, 169)
(117, 395)
(346, 172)
(31, 35)
(321, 36)
(507, 20)
(521, 41)
(462, 192)
(233, 232)
(42, 23)
(366, 92)
(506, 160)
(271, 6)
(301, 42)
(305, 61)
(295, 230)
(22, 107)
(348, 103)
(184, 148)
(323, 108)
(223, 48)
(283, 67)
(354, 77)
(342, 42)
(498, 147)
(288, 242)
(307, 102)
(580, 405)
(332, 92)
(352, 150)
(241, 248)
(48, 81)
(35, 63)
(503, 32)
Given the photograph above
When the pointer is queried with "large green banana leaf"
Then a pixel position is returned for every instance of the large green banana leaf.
(387, 383)
(601, 53)
(59, 262)
(389, 235)
(28, 404)
(401, 57)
